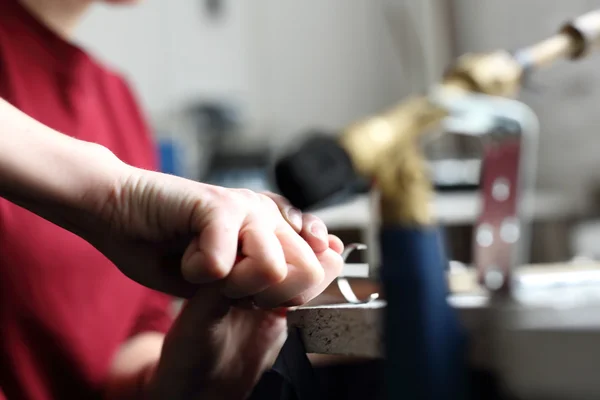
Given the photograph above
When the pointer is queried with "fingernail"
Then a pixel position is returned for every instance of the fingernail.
(295, 218)
(319, 231)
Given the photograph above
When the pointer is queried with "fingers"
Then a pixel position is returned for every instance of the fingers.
(217, 351)
(264, 344)
(304, 271)
(264, 273)
(332, 263)
(212, 255)
(263, 265)
(207, 307)
(255, 339)
(291, 214)
(336, 244)
(311, 228)
(315, 233)
(279, 262)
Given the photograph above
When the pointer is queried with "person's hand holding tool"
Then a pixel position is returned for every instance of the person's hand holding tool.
(219, 347)
(159, 229)
(215, 350)
(212, 245)
(221, 342)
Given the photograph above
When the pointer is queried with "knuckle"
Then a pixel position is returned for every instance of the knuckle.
(247, 194)
(241, 198)
(274, 273)
(279, 200)
(312, 217)
(269, 206)
(310, 220)
(314, 274)
(269, 194)
(215, 268)
(228, 200)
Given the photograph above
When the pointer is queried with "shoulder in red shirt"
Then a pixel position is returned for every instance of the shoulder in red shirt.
(64, 308)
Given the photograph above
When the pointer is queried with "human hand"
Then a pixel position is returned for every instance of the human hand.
(218, 348)
(145, 222)
(159, 228)
(311, 228)
(215, 350)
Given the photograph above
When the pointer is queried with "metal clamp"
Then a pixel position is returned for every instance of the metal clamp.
(343, 283)
(509, 130)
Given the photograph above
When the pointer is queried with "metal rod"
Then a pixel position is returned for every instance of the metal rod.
(546, 52)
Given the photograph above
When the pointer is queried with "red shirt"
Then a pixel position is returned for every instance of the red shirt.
(64, 308)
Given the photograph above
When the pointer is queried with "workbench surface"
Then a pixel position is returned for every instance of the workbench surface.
(554, 298)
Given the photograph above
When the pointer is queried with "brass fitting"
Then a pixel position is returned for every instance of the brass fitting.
(367, 141)
(496, 74)
(386, 147)
(405, 188)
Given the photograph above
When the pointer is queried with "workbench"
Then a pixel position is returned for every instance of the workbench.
(547, 341)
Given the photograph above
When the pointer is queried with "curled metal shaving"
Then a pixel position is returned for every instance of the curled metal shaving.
(344, 285)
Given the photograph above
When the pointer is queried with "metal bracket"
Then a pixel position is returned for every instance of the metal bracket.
(509, 130)
(343, 283)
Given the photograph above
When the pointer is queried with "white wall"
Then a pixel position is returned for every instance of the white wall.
(324, 63)
(291, 64)
(298, 64)
(173, 52)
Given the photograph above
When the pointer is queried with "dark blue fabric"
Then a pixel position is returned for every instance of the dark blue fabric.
(292, 376)
(425, 345)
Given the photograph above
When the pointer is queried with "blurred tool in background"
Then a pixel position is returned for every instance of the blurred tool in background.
(426, 356)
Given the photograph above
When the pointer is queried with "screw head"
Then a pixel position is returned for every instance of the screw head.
(494, 278)
(510, 230)
(501, 189)
(485, 235)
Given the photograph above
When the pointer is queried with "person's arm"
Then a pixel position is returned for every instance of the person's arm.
(58, 177)
(165, 232)
(51, 174)
(139, 220)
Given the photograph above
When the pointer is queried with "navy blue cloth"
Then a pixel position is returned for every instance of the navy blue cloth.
(292, 376)
(425, 345)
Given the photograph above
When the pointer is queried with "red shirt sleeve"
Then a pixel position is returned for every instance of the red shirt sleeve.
(156, 314)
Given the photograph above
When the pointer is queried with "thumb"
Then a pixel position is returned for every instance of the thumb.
(217, 350)
(200, 315)
(255, 338)
(197, 329)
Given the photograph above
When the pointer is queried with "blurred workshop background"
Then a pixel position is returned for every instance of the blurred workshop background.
(228, 83)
